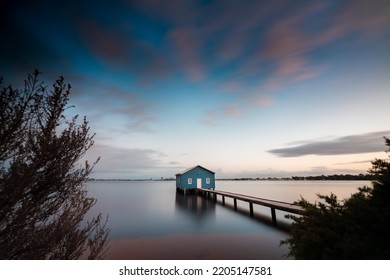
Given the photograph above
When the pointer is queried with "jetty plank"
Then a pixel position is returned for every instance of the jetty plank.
(273, 204)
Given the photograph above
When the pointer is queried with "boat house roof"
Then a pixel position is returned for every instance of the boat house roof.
(189, 169)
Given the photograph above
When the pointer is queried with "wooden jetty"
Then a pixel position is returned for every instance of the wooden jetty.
(273, 204)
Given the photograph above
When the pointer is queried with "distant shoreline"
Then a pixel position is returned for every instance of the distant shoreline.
(334, 177)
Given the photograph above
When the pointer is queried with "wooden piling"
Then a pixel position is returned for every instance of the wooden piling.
(273, 214)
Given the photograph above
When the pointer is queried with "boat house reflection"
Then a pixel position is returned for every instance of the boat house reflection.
(195, 206)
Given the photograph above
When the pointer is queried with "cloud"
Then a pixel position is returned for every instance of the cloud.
(233, 46)
(237, 109)
(73, 36)
(217, 116)
(188, 44)
(290, 43)
(118, 162)
(241, 45)
(232, 86)
(109, 44)
(240, 25)
(359, 162)
(262, 101)
(152, 63)
(105, 102)
(117, 46)
(354, 162)
(210, 118)
(352, 144)
(368, 19)
(287, 46)
(232, 111)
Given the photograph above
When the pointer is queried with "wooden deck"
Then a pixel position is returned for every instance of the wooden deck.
(273, 204)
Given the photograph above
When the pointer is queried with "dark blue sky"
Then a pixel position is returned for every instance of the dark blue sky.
(231, 85)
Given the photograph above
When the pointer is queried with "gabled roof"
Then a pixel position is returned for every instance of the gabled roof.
(189, 169)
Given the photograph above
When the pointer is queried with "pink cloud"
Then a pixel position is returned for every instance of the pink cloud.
(105, 43)
(284, 41)
(310, 72)
(282, 48)
(119, 48)
(218, 115)
(188, 43)
(232, 111)
(233, 46)
(232, 86)
(366, 18)
(288, 44)
(239, 24)
(153, 64)
(263, 101)
(210, 118)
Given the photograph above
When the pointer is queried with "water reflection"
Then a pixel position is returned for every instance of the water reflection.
(194, 206)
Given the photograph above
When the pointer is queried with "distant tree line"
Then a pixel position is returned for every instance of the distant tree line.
(334, 177)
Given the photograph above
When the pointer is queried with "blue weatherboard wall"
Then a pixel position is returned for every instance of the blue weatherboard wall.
(195, 173)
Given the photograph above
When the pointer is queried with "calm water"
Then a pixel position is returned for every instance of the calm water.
(149, 220)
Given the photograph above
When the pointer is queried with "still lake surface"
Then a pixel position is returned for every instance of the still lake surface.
(150, 220)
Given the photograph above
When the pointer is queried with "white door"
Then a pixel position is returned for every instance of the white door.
(199, 183)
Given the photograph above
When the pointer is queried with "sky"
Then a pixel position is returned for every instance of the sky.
(244, 88)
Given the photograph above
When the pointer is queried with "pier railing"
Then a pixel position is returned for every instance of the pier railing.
(272, 204)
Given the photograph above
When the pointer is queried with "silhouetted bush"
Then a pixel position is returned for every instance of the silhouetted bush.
(356, 228)
(43, 198)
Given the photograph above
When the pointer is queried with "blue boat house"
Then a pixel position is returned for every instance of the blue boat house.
(196, 177)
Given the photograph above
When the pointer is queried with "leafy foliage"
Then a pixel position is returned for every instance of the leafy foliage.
(43, 199)
(356, 228)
